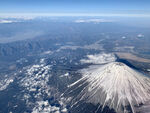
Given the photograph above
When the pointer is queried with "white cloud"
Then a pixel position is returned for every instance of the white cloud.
(95, 46)
(24, 35)
(123, 37)
(140, 35)
(92, 21)
(6, 21)
(99, 58)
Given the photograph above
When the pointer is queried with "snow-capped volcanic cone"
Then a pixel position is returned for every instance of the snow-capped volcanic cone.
(114, 85)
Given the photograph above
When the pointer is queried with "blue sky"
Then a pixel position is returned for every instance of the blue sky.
(76, 6)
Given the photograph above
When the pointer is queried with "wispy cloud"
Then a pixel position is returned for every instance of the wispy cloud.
(6, 21)
(21, 36)
(92, 21)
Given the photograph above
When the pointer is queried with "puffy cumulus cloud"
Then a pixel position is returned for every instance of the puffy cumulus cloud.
(124, 37)
(140, 35)
(92, 21)
(99, 58)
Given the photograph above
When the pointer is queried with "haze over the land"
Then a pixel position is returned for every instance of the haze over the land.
(74, 56)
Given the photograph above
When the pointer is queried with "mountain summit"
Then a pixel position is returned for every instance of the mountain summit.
(114, 85)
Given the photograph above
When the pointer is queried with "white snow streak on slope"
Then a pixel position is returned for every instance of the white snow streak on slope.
(115, 85)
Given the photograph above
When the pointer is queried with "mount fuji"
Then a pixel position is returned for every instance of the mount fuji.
(115, 85)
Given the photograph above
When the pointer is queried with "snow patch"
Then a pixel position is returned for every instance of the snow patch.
(47, 52)
(65, 75)
(36, 87)
(148, 70)
(5, 83)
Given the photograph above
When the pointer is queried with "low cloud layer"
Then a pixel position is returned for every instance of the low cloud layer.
(21, 36)
(92, 21)
(99, 58)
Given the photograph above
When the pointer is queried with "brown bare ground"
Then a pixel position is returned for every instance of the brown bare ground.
(133, 57)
